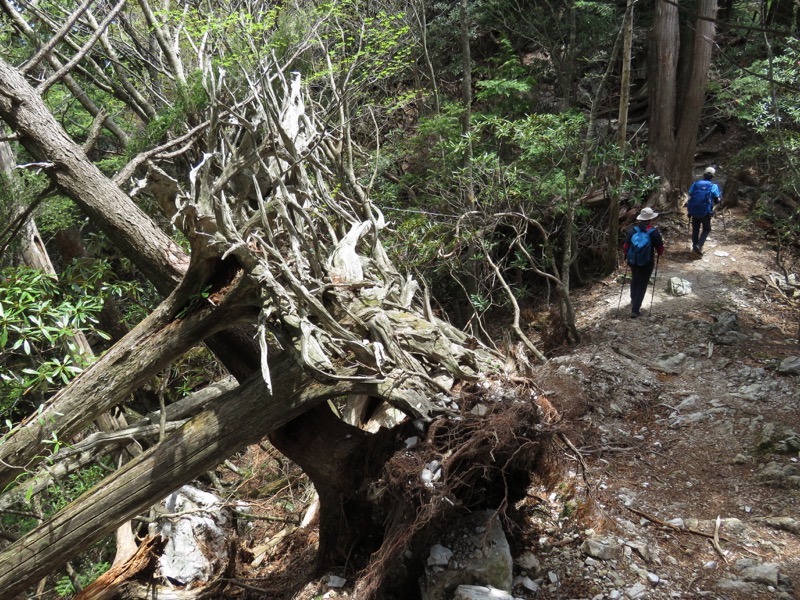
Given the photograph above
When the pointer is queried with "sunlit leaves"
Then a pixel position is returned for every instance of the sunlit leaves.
(39, 318)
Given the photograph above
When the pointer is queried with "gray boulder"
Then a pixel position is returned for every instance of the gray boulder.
(477, 554)
(790, 365)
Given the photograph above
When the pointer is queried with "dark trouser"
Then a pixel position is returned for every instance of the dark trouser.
(699, 239)
(640, 278)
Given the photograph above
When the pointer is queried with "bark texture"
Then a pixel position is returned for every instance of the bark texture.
(677, 78)
(279, 239)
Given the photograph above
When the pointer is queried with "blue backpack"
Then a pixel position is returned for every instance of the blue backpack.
(701, 202)
(640, 252)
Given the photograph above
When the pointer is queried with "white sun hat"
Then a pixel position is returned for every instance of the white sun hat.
(647, 214)
(710, 171)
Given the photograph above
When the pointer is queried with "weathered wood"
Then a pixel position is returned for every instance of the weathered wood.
(239, 418)
(106, 587)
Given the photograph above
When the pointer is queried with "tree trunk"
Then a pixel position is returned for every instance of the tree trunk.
(239, 418)
(694, 94)
(338, 458)
(675, 113)
(466, 99)
(612, 252)
(160, 259)
(662, 82)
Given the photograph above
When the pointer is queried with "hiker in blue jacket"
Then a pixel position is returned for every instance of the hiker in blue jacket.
(641, 255)
(703, 196)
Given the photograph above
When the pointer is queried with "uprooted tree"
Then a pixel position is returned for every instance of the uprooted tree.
(286, 282)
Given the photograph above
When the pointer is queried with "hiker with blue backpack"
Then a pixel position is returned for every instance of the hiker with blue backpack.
(642, 244)
(704, 194)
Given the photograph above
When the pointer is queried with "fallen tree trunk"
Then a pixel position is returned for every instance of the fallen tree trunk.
(140, 355)
(237, 419)
(159, 258)
(334, 316)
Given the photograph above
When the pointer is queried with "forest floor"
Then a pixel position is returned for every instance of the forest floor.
(688, 435)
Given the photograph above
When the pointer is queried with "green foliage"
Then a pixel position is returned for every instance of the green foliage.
(749, 97)
(517, 163)
(38, 318)
(508, 85)
(238, 34)
(65, 588)
(22, 189)
(75, 484)
(544, 30)
(189, 100)
(56, 214)
(767, 100)
(362, 45)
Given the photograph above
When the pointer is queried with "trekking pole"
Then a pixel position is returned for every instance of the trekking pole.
(624, 277)
(655, 278)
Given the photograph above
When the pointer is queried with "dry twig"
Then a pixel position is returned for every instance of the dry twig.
(658, 521)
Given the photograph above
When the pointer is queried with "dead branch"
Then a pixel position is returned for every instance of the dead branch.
(658, 521)
(715, 541)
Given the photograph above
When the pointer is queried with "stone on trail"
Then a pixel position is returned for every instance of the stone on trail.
(479, 592)
(790, 365)
(477, 553)
(678, 287)
(601, 548)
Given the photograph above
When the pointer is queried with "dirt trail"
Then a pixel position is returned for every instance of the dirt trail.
(694, 427)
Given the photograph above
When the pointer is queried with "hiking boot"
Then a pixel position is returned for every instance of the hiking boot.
(696, 250)
(634, 314)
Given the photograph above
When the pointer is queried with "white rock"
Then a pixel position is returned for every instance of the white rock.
(439, 555)
(334, 581)
(526, 582)
(529, 562)
(198, 539)
(678, 287)
(676, 522)
(637, 590)
(479, 592)
(602, 548)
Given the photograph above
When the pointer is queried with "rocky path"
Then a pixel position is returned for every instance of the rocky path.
(687, 420)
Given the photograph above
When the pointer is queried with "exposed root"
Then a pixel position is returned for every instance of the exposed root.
(487, 461)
